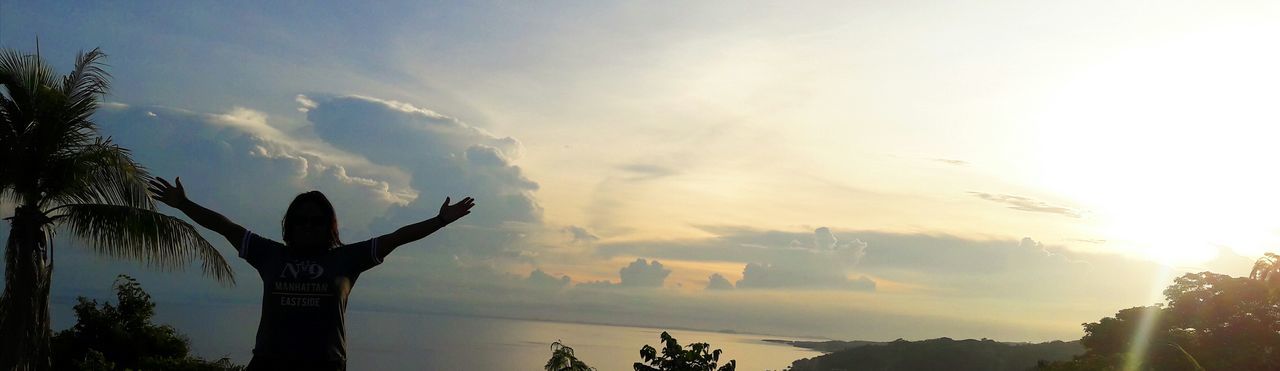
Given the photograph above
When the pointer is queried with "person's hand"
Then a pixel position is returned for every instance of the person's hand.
(168, 194)
(450, 213)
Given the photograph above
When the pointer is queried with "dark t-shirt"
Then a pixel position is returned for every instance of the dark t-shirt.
(304, 296)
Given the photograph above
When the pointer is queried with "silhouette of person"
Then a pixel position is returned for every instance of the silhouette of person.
(306, 279)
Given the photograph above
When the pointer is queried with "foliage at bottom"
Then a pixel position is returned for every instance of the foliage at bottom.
(122, 337)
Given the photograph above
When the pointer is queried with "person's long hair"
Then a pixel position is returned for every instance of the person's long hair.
(291, 218)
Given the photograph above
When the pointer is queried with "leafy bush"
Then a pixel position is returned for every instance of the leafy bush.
(676, 358)
(122, 337)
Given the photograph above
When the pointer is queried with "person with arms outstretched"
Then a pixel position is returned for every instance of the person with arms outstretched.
(306, 279)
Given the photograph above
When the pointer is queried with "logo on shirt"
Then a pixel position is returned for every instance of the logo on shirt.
(301, 269)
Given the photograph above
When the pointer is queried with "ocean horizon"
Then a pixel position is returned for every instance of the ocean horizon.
(378, 340)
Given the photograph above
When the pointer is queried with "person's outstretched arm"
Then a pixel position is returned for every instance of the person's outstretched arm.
(176, 197)
(416, 231)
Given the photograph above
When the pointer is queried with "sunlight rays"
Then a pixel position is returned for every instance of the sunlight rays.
(1141, 343)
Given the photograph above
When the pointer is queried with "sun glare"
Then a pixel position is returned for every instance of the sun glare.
(1171, 148)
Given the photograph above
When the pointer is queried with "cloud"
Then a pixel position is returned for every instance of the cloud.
(647, 171)
(241, 164)
(580, 235)
(718, 282)
(782, 259)
(441, 157)
(942, 265)
(444, 157)
(245, 165)
(850, 252)
(821, 261)
(538, 278)
(951, 161)
(770, 276)
(643, 274)
(599, 284)
(398, 132)
(640, 273)
(1027, 204)
(304, 103)
(1028, 243)
(233, 163)
(747, 245)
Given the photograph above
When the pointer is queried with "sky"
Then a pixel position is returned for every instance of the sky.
(848, 169)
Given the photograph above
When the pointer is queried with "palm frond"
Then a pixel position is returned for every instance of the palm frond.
(8, 160)
(155, 239)
(8, 131)
(14, 118)
(88, 78)
(23, 76)
(98, 173)
(82, 87)
(39, 124)
(9, 148)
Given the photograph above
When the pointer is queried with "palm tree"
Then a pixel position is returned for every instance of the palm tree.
(59, 174)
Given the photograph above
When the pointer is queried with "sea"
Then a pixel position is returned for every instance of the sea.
(415, 341)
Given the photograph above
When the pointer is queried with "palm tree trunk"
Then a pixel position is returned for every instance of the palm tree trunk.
(24, 306)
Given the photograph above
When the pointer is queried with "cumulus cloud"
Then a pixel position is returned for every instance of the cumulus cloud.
(820, 261)
(643, 274)
(1028, 243)
(444, 156)
(782, 259)
(248, 166)
(823, 263)
(398, 132)
(941, 264)
(718, 282)
(538, 278)
(233, 163)
(1028, 204)
(850, 252)
(640, 273)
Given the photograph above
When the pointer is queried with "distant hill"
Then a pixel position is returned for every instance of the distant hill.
(829, 346)
(936, 354)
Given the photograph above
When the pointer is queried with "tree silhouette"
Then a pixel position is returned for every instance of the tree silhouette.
(62, 175)
(676, 358)
(122, 337)
(1267, 269)
(562, 359)
(1208, 321)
